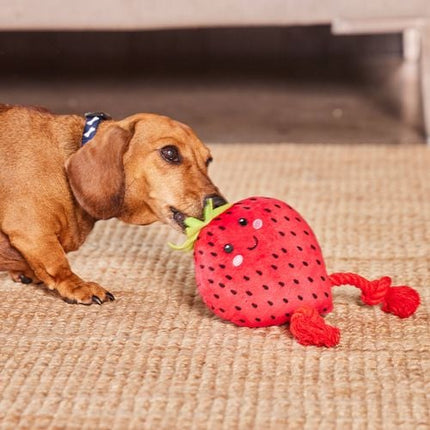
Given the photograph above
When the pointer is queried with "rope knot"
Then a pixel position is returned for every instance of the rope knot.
(374, 292)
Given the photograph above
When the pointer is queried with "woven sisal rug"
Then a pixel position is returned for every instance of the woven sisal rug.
(156, 358)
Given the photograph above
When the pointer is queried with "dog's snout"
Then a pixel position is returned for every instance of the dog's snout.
(217, 200)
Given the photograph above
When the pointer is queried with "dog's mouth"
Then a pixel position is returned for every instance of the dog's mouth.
(178, 217)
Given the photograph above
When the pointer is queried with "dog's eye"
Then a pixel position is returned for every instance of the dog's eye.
(171, 154)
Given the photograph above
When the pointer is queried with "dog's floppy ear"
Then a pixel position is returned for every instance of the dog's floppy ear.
(96, 172)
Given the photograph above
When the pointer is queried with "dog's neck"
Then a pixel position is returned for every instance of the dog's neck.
(70, 130)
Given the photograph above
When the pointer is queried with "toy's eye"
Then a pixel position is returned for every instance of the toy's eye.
(228, 248)
(243, 222)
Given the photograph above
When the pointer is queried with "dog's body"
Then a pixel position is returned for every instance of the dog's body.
(141, 169)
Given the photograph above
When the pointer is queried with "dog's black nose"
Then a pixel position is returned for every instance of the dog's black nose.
(217, 200)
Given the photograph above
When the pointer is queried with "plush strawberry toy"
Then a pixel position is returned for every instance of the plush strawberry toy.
(258, 263)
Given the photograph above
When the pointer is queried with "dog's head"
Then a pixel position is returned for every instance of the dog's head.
(143, 169)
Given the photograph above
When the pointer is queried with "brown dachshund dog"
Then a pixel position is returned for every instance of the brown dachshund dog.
(141, 169)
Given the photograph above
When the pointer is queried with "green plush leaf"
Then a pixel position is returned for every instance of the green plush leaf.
(194, 225)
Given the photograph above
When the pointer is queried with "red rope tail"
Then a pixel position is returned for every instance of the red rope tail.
(401, 301)
(309, 328)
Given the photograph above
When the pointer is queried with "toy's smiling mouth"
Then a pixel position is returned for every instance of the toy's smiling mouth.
(255, 244)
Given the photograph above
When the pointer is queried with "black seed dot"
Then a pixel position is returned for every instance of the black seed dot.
(213, 307)
(282, 284)
(246, 207)
(274, 219)
(246, 278)
(325, 310)
(291, 265)
(222, 266)
(322, 278)
(281, 233)
(300, 297)
(296, 281)
(275, 255)
(221, 285)
(310, 279)
(318, 262)
(267, 210)
(300, 248)
(305, 263)
(285, 300)
(216, 296)
(287, 314)
(269, 303)
(228, 277)
(286, 218)
(306, 232)
(214, 254)
(314, 296)
(242, 320)
(222, 310)
(298, 219)
(211, 244)
(202, 266)
(254, 305)
(274, 267)
(259, 272)
(238, 308)
(229, 212)
(313, 247)
(234, 292)
(211, 281)
(293, 233)
(257, 319)
(265, 287)
(221, 227)
(249, 293)
(326, 294)
(273, 317)
(284, 250)
(201, 252)
(210, 233)
(253, 199)
(211, 269)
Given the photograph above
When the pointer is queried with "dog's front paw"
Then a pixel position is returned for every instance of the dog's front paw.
(85, 293)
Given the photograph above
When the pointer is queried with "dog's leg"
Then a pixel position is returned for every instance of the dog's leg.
(12, 261)
(47, 259)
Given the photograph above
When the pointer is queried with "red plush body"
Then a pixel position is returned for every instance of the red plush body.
(275, 265)
(258, 263)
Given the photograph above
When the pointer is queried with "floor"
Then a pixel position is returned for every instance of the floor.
(157, 358)
(305, 99)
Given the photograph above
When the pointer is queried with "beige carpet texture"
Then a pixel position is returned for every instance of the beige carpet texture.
(157, 358)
